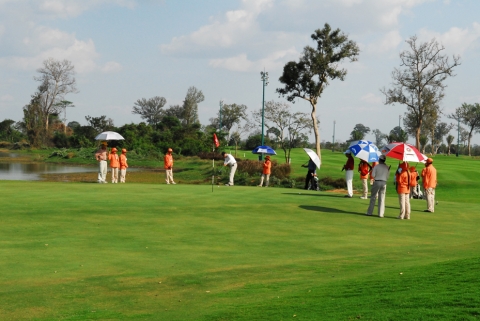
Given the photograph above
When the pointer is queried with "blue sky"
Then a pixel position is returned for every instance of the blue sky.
(124, 50)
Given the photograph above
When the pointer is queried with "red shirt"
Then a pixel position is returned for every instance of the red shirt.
(350, 164)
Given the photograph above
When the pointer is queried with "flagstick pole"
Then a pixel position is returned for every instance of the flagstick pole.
(213, 164)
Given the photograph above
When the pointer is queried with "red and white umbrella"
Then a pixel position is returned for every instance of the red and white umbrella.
(404, 152)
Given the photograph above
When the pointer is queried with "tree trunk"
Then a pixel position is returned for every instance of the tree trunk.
(468, 142)
(315, 129)
(417, 139)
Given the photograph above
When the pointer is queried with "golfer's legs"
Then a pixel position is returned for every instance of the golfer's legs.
(261, 180)
(373, 197)
(114, 174)
(102, 174)
(381, 198)
(267, 179)
(430, 193)
(401, 201)
(169, 175)
(233, 169)
(123, 173)
(365, 187)
(407, 206)
(349, 179)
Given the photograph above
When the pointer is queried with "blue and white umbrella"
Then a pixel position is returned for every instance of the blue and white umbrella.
(365, 149)
(264, 150)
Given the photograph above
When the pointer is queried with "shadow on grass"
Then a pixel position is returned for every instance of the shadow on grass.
(335, 211)
(305, 193)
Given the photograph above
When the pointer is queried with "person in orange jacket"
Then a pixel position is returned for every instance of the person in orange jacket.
(364, 169)
(429, 178)
(114, 164)
(123, 165)
(267, 166)
(414, 177)
(402, 178)
(168, 165)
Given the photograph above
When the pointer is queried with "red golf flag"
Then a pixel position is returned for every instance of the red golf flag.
(215, 140)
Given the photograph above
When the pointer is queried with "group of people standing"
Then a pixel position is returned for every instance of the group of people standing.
(406, 183)
(117, 164)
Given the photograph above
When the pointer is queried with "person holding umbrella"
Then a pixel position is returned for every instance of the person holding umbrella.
(380, 174)
(429, 178)
(101, 156)
(267, 166)
(348, 167)
(168, 165)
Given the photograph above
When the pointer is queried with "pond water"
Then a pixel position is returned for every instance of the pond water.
(11, 170)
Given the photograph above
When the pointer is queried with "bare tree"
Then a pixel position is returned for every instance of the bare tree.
(56, 80)
(231, 114)
(289, 125)
(379, 137)
(308, 78)
(468, 115)
(420, 83)
(150, 109)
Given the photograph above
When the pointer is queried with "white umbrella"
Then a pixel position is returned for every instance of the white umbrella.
(313, 156)
(109, 136)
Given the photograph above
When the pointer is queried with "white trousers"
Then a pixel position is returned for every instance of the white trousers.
(102, 171)
(123, 173)
(233, 169)
(169, 176)
(266, 177)
(430, 195)
(114, 175)
(404, 200)
(349, 179)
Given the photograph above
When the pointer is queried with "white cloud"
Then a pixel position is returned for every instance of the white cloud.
(111, 66)
(274, 61)
(230, 29)
(7, 98)
(389, 42)
(72, 8)
(455, 40)
(371, 99)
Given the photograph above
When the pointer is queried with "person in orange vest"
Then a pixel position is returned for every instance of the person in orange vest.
(429, 178)
(364, 169)
(114, 164)
(402, 178)
(267, 166)
(123, 165)
(414, 177)
(348, 167)
(168, 165)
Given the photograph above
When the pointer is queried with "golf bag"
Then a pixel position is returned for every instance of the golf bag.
(416, 192)
(313, 185)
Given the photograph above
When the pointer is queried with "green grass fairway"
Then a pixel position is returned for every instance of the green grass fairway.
(84, 251)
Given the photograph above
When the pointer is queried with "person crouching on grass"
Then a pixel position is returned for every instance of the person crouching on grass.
(267, 166)
(168, 164)
(114, 164)
(123, 165)
(402, 177)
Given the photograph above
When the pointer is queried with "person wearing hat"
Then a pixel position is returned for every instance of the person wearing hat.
(123, 165)
(114, 164)
(101, 156)
(429, 178)
(232, 162)
(380, 174)
(168, 165)
(348, 167)
(267, 166)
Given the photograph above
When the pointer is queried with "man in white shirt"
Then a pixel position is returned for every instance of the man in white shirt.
(230, 161)
(380, 173)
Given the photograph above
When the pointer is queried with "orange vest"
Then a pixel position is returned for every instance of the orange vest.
(123, 161)
(267, 165)
(114, 162)
(429, 177)
(168, 161)
(364, 170)
(403, 180)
